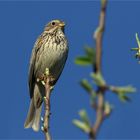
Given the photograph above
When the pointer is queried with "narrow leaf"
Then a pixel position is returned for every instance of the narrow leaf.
(84, 117)
(137, 39)
(83, 60)
(103, 2)
(81, 125)
(93, 99)
(90, 52)
(124, 98)
(107, 109)
(98, 79)
(86, 85)
(127, 89)
(134, 49)
(123, 90)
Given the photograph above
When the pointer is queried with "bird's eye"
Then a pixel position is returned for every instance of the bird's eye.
(53, 23)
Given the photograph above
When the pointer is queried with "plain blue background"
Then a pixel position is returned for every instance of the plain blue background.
(22, 22)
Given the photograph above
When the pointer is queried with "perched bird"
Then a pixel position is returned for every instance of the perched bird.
(50, 51)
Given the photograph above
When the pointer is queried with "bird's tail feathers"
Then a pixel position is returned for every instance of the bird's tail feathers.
(37, 116)
(30, 117)
(33, 117)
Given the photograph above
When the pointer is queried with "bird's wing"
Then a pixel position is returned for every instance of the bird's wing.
(31, 78)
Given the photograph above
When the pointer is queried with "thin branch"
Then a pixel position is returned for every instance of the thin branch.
(98, 36)
(47, 108)
(99, 113)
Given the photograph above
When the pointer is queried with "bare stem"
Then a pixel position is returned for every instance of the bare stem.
(99, 113)
(98, 36)
(47, 109)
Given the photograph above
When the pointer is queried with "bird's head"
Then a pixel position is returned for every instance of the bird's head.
(54, 25)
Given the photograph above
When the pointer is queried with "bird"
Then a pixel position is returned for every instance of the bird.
(50, 51)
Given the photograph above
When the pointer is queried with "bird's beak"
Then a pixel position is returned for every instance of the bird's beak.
(62, 24)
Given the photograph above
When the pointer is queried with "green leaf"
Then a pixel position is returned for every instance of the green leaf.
(88, 59)
(86, 85)
(84, 117)
(83, 60)
(93, 97)
(124, 98)
(126, 89)
(98, 79)
(134, 49)
(137, 55)
(90, 53)
(137, 39)
(123, 90)
(103, 2)
(107, 109)
(81, 125)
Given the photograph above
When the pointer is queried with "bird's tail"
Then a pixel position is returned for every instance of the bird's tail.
(33, 117)
(36, 122)
(30, 117)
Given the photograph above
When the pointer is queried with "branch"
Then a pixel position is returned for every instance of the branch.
(46, 82)
(102, 108)
(47, 109)
(98, 36)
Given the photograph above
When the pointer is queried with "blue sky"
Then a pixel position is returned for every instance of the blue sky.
(22, 22)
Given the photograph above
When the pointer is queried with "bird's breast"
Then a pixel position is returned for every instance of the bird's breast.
(51, 55)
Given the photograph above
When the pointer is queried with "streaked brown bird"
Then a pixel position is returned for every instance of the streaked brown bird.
(50, 51)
